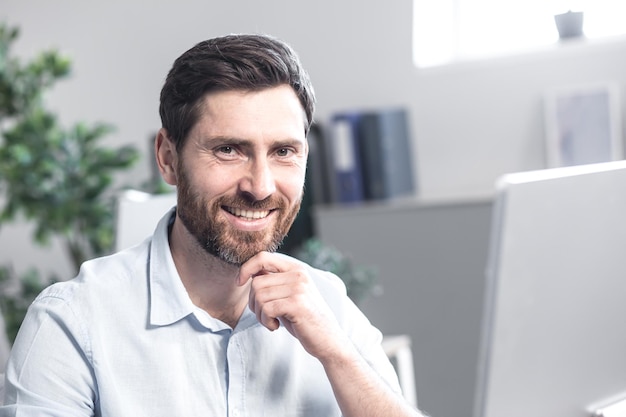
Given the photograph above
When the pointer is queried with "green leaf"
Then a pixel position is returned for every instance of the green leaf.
(60, 179)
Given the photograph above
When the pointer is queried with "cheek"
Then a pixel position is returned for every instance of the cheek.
(216, 182)
(293, 185)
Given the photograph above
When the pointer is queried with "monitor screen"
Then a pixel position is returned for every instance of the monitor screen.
(554, 325)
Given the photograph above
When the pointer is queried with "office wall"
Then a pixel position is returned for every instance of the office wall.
(471, 122)
(121, 51)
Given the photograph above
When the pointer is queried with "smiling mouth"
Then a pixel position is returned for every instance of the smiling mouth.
(248, 214)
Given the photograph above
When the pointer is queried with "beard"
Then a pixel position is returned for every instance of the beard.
(205, 222)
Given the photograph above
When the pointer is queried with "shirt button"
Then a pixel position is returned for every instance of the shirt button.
(235, 412)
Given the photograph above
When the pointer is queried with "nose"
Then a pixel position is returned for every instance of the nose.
(259, 181)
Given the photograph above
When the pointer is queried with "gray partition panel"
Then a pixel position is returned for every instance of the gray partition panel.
(431, 259)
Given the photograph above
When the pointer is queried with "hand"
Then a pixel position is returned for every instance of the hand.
(283, 292)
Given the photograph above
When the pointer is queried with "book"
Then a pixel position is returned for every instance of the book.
(317, 182)
(346, 162)
(385, 153)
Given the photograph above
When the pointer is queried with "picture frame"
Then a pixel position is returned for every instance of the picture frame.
(583, 125)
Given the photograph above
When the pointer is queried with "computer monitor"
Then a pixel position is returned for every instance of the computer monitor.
(554, 326)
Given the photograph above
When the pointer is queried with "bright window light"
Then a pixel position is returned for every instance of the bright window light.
(445, 31)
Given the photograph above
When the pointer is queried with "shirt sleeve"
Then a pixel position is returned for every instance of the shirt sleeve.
(49, 372)
(365, 336)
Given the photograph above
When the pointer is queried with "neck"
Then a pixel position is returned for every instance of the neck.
(210, 282)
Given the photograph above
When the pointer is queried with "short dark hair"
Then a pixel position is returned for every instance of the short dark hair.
(232, 62)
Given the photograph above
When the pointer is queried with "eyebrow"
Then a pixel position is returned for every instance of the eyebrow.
(229, 140)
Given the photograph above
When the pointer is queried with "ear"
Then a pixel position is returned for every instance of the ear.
(166, 156)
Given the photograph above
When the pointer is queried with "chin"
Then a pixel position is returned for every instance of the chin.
(235, 254)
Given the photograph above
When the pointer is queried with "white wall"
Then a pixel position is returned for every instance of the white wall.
(122, 50)
(471, 122)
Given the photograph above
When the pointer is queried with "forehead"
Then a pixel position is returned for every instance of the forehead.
(273, 112)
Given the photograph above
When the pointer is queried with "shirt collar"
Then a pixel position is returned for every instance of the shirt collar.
(169, 301)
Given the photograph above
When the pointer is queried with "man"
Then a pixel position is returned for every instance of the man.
(204, 318)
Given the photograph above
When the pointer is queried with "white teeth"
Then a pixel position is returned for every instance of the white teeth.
(248, 214)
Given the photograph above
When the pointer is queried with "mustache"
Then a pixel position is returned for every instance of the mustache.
(244, 202)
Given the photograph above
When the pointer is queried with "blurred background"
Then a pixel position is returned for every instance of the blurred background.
(472, 117)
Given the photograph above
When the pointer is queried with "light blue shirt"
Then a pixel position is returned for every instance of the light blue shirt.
(123, 339)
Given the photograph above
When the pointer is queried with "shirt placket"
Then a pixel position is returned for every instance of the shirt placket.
(236, 377)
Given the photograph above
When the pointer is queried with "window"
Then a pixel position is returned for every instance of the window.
(452, 30)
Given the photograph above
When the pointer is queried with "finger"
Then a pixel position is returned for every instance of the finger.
(260, 308)
(243, 279)
(265, 299)
(259, 264)
(271, 323)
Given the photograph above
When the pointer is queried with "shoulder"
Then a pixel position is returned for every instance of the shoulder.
(99, 279)
(118, 265)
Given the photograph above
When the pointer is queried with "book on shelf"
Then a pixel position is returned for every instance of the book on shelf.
(385, 151)
(318, 184)
(346, 172)
(369, 156)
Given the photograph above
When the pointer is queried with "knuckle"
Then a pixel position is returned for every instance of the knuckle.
(301, 276)
(270, 309)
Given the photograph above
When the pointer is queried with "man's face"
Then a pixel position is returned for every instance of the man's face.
(240, 175)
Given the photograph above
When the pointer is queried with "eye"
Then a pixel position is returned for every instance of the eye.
(227, 152)
(226, 149)
(283, 152)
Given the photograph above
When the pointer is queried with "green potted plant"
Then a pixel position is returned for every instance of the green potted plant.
(60, 179)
